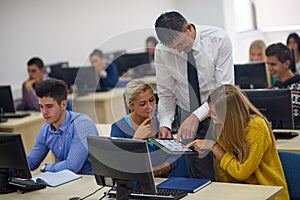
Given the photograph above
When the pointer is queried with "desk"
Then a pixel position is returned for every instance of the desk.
(292, 145)
(28, 127)
(87, 185)
(102, 107)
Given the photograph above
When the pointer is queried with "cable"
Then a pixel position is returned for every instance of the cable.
(92, 193)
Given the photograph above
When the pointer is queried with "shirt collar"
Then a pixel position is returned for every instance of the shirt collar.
(196, 45)
(63, 127)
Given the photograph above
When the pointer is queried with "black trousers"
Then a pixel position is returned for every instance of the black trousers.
(199, 165)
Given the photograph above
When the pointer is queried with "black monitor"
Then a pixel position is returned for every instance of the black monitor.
(251, 75)
(55, 70)
(275, 104)
(124, 162)
(86, 80)
(131, 60)
(13, 161)
(6, 100)
(69, 75)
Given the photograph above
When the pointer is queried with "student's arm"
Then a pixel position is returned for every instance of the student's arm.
(260, 140)
(164, 168)
(78, 152)
(112, 76)
(39, 150)
(29, 100)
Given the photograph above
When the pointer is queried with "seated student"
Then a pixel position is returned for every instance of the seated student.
(257, 54)
(36, 70)
(108, 73)
(278, 61)
(142, 124)
(64, 133)
(246, 149)
(293, 42)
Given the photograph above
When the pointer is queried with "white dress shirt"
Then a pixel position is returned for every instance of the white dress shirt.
(213, 56)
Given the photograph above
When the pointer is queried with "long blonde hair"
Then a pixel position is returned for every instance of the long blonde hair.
(236, 116)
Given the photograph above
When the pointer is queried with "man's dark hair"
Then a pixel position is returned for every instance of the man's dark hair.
(152, 40)
(280, 51)
(36, 61)
(296, 37)
(169, 25)
(53, 88)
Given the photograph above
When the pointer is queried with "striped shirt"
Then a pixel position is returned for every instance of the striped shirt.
(68, 145)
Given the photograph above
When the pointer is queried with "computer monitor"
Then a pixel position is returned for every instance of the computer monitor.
(86, 80)
(251, 75)
(124, 162)
(69, 75)
(6, 100)
(55, 70)
(13, 161)
(131, 60)
(275, 104)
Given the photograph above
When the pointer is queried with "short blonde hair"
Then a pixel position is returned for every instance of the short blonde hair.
(134, 88)
(259, 44)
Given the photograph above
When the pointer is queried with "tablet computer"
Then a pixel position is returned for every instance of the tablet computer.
(171, 146)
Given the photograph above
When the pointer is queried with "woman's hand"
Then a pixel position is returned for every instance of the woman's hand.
(144, 130)
(201, 145)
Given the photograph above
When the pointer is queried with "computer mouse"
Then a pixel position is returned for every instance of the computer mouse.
(75, 198)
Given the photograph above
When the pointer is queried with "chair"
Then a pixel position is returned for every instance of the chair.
(291, 167)
(69, 105)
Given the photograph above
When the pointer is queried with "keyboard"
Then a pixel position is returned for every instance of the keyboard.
(15, 115)
(25, 185)
(285, 134)
(160, 195)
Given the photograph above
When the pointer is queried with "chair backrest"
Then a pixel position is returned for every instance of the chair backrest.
(69, 105)
(291, 167)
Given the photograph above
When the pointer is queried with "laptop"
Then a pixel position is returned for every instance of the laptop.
(7, 106)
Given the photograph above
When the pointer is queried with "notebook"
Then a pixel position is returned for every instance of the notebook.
(190, 185)
(54, 179)
(171, 146)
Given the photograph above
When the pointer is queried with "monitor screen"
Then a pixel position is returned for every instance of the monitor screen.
(124, 162)
(251, 75)
(13, 161)
(69, 75)
(6, 100)
(131, 60)
(55, 70)
(86, 80)
(275, 104)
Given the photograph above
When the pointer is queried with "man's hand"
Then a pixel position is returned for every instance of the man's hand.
(188, 128)
(144, 130)
(164, 133)
(201, 144)
(29, 84)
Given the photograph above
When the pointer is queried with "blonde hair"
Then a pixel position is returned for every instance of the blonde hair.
(259, 44)
(134, 88)
(237, 114)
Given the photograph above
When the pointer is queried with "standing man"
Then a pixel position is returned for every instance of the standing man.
(64, 133)
(36, 70)
(208, 51)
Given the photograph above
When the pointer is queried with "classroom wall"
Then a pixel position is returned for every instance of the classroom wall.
(68, 30)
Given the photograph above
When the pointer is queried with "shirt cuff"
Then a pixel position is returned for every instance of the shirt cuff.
(202, 112)
(166, 123)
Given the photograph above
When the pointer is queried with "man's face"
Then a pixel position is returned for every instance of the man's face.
(184, 41)
(276, 68)
(51, 110)
(34, 72)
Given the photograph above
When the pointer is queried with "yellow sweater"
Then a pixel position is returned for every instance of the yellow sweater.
(262, 167)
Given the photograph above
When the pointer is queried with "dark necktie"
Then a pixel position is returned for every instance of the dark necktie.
(194, 91)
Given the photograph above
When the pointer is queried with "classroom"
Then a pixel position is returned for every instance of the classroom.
(99, 96)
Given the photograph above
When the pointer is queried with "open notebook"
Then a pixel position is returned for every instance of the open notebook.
(54, 179)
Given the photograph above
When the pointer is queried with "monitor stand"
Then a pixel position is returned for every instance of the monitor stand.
(3, 120)
(122, 191)
(5, 188)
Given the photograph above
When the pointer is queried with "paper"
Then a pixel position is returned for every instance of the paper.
(54, 179)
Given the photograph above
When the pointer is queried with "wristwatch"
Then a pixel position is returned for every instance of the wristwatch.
(43, 168)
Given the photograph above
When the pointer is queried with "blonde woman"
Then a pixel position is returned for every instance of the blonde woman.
(142, 124)
(245, 150)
